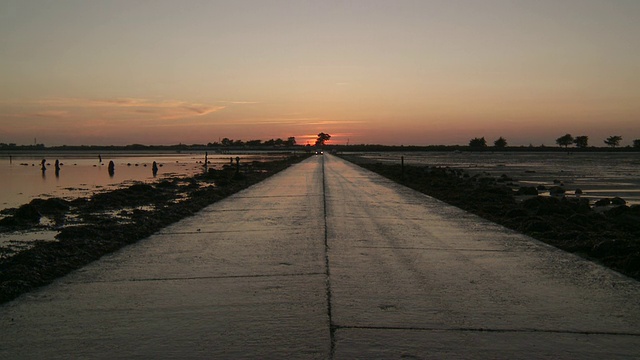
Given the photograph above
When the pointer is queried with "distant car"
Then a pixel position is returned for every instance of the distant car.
(319, 152)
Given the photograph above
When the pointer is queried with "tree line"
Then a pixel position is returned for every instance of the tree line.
(225, 142)
(581, 141)
(565, 141)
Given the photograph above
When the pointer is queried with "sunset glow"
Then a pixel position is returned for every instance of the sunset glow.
(367, 72)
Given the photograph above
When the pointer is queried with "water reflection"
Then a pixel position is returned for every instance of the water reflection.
(112, 168)
(83, 175)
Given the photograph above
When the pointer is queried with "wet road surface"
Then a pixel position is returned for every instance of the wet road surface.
(327, 260)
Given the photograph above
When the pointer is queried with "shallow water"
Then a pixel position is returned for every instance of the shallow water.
(82, 174)
(598, 175)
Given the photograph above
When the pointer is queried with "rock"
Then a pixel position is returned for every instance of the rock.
(541, 187)
(603, 202)
(28, 213)
(537, 202)
(543, 206)
(504, 178)
(51, 206)
(527, 190)
(580, 219)
(556, 191)
(578, 192)
(608, 247)
(517, 213)
(618, 211)
(576, 205)
(618, 201)
(537, 226)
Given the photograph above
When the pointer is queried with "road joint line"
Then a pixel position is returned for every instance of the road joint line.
(487, 330)
(200, 278)
(438, 249)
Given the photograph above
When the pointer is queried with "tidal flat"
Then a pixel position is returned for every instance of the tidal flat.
(59, 235)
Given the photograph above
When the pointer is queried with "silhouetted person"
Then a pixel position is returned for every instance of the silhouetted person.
(154, 168)
(100, 158)
(43, 166)
(112, 168)
(57, 168)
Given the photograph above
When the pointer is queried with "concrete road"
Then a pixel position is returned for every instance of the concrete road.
(327, 260)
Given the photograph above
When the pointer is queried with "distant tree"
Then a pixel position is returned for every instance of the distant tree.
(636, 143)
(500, 142)
(581, 141)
(291, 141)
(226, 142)
(279, 142)
(565, 140)
(478, 142)
(613, 141)
(238, 143)
(322, 138)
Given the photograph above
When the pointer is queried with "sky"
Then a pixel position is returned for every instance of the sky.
(401, 72)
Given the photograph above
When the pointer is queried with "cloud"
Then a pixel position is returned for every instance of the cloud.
(239, 102)
(127, 107)
(51, 114)
(48, 114)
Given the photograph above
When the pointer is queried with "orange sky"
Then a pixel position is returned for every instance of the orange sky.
(401, 72)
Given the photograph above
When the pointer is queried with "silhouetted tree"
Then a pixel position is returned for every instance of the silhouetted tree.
(226, 142)
(581, 141)
(500, 142)
(322, 138)
(478, 142)
(291, 141)
(636, 143)
(565, 140)
(613, 141)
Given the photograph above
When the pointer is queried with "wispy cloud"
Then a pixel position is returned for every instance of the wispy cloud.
(48, 114)
(239, 102)
(123, 107)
